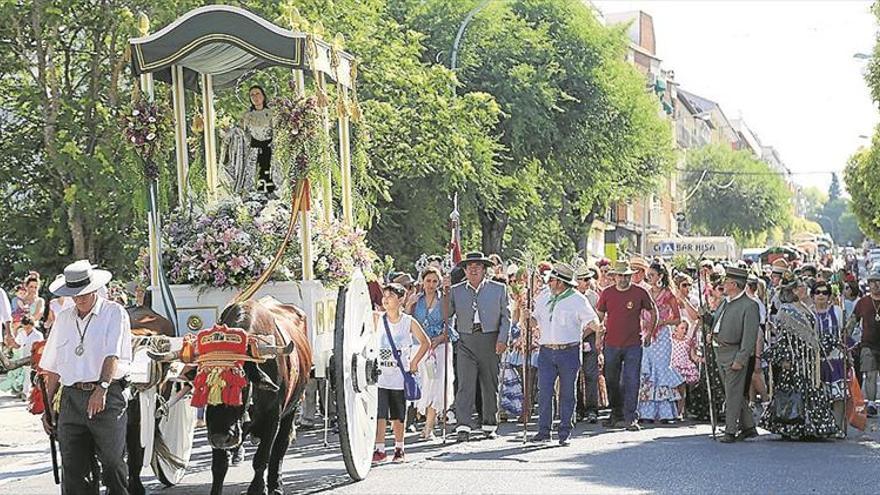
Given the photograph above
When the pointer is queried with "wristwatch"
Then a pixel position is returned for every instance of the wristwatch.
(104, 385)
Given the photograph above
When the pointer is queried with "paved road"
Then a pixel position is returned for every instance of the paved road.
(667, 459)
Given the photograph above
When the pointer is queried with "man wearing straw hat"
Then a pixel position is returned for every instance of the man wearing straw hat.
(735, 332)
(620, 307)
(88, 354)
(563, 315)
(482, 318)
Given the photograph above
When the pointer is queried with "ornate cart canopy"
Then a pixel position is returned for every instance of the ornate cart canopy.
(228, 42)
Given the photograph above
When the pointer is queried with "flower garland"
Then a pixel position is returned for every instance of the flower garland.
(300, 144)
(227, 245)
(339, 250)
(145, 125)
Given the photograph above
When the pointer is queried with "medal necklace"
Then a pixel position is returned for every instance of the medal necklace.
(80, 349)
(876, 311)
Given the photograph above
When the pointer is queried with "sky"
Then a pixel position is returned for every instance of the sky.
(785, 66)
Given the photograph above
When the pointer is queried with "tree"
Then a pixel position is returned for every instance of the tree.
(834, 188)
(575, 115)
(814, 200)
(863, 184)
(734, 194)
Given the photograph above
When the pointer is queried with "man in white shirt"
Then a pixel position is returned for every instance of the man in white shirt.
(89, 354)
(563, 315)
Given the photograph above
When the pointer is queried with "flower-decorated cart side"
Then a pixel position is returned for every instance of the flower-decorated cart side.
(234, 249)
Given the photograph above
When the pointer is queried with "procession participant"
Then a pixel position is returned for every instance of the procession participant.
(588, 389)
(757, 387)
(482, 320)
(686, 339)
(659, 382)
(257, 123)
(427, 310)
(89, 354)
(605, 278)
(829, 318)
(736, 327)
(867, 315)
(30, 302)
(620, 307)
(519, 348)
(639, 267)
(564, 315)
(404, 333)
(799, 407)
(25, 340)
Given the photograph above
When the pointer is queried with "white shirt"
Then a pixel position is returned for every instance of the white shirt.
(476, 295)
(5, 308)
(27, 341)
(391, 377)
(565, 325)
(108, 334)
(57, 306)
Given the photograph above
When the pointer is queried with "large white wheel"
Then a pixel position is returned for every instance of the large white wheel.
(355, 372)
(174, 440)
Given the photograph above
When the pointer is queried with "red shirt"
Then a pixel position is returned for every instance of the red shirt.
(866, 310)
(622, 310)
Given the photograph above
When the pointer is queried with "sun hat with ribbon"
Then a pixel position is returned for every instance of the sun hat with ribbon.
(564, 273)
(80, 277)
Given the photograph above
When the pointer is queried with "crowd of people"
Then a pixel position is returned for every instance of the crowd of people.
(784, 346)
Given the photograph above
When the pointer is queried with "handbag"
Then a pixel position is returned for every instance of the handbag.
(411, 389)
(789, 407)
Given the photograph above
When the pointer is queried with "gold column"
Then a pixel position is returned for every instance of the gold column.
(146, 83)
(181, 152)
(210, 135)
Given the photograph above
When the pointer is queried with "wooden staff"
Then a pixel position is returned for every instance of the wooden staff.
(706, 351)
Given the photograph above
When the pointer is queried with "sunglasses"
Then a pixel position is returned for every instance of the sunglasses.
(686, 285)
(822, 293)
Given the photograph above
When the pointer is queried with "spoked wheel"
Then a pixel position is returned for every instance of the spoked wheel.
(355, 372)
(174, 440)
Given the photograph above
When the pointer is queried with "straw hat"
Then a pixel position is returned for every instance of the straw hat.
(80, 277)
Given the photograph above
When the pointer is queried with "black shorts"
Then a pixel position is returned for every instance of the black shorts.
(392, 404)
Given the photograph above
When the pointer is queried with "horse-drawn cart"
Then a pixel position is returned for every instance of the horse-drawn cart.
(208, 50)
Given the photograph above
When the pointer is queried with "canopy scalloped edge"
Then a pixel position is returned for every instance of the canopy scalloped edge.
(229, 42)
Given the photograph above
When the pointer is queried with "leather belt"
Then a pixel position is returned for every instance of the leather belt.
(88, 386)
(559, 347)
(477, 328)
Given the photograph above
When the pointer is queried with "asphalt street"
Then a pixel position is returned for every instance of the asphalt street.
(663, 459)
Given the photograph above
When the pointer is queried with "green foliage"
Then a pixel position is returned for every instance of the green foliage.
(574, 113)
(725, 203)
(834, 187)
(814, 200)
(863, 184)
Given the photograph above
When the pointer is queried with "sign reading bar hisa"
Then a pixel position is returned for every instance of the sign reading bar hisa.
(706, 247)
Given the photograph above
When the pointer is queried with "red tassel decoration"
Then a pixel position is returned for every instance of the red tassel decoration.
(35, 401)
(200, 390)
(235, 382)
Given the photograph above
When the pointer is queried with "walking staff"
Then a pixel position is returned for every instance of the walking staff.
(86, 359)
(705, 350)
(455, 257)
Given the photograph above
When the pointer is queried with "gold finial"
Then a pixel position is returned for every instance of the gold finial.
(339, 42)
(143, 24)
(318, 29)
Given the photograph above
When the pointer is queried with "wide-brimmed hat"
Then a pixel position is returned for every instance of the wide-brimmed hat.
(638, 263)
(622, 268)
(80, 277)
(564, 273)
(874, 275)
(403, 278)
(475, 257)
(737, 273)
(585, 272)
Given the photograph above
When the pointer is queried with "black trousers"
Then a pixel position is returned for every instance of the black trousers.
(80, 438)
(588, 381)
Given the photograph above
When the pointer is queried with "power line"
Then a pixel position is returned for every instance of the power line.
(726, 172)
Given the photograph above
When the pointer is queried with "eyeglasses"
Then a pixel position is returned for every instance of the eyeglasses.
(686, 285)
(822, 293)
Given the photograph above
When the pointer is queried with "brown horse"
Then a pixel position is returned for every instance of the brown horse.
(275, 387)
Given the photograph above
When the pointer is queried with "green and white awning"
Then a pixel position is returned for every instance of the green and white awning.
(228, 43)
